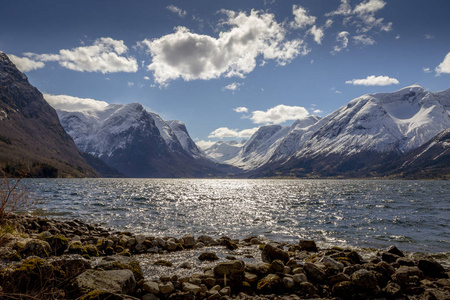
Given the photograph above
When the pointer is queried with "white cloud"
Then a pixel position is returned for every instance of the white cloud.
(429, 36)
(70, 103)
(176, 10)
(233, 86)
(241, 109)
(192, 56)
(317, 33)
(444, 67)
(364, 40)
(426, 70)
(130, 83)
(224, 132)
(301, 18)
(24, 64)
(317, 111)
(203, 145)
(105, 56)
(374, 80)
(146, 78)
(344, 9)
(342, 39)
(362, 16)
(397, 37)
(279, 114)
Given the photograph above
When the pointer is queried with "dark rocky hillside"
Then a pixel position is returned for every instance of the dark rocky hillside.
(32, 140)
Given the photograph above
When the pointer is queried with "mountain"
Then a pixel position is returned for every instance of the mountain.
(431, 160)
(138, 143)
(357, 140)
(272, 143)
(32, 140)
(223, 151)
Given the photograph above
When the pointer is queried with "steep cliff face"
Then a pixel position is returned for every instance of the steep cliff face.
(32, 139)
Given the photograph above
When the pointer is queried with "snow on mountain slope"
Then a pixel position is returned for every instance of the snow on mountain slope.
(223, 151)
(272, 142)
(181, 133)
(384, 122)
(167, 133)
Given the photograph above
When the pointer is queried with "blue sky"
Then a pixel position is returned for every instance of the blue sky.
(224, 68)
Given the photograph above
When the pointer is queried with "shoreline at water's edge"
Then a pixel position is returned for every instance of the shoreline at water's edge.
(282, 268)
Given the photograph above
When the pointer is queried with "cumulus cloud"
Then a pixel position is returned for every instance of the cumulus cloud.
(426, 70)
(225, 132)
(344, 9)
(279, 114)
(301, 17)
(317, 33)
(192, 56)
(241, 109)
(25, 64)
(70, 103)
(342, 40)
(374, 80)
(146, 78)
(176, 10)
(106, 55)
(444, 67)
(366, 13)
(317, 111)
(233, 86)
(203, 145)
(363, 40)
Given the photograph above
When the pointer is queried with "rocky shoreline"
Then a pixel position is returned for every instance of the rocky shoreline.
(70, 259)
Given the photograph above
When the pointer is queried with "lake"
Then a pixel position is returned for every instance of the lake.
(414, 215)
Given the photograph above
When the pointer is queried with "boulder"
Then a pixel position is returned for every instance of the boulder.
(406, 276)
(118, 262)
(188, 241)
(271, 284)
(394, 250)
(314, 273)
(308, 245)
(151, 287)
(208, 256)
(36, 247)
(166, 288)
(343, 289)
(365, 280)
(113, 281)
(431, 268)
(272, 252)
(229, 267)
(189, 287)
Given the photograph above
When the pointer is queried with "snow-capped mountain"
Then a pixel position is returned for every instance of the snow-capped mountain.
(136, 142)
(223, 151)
(272, 143)
(368, 131)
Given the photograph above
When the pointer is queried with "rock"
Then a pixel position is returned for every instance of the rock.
(332, 264)
(332, 280)
(314, 273)
(149, 297)
(209, 281)
(206, 240)
(226, 291)
(103, 295)
(432, 268)
(343, 289)
(36, 247)
(58, 243)
(188, 241)
(255, 241)
(208, 256)
(140, 248)
(277, 266)
(181, 296)
(403, 261)
(307, 289)
(163, 262)
(392, 289)
(113, 281)
(271, 252)
(270, 284)
(189, 287)
(31, 275)
(186, 265)
(365, 280)
(308, 245)
(389, 257)
(288, 282)
(166, 288)
(250, 278)
(171, 246)
(151, 287)
(406, 276)
(300, 277)
(230, 245)
(140, 239)
(394, 250)
(229, 267)
(118, 262)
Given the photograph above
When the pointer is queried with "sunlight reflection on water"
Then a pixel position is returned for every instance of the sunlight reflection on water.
(369, 213)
